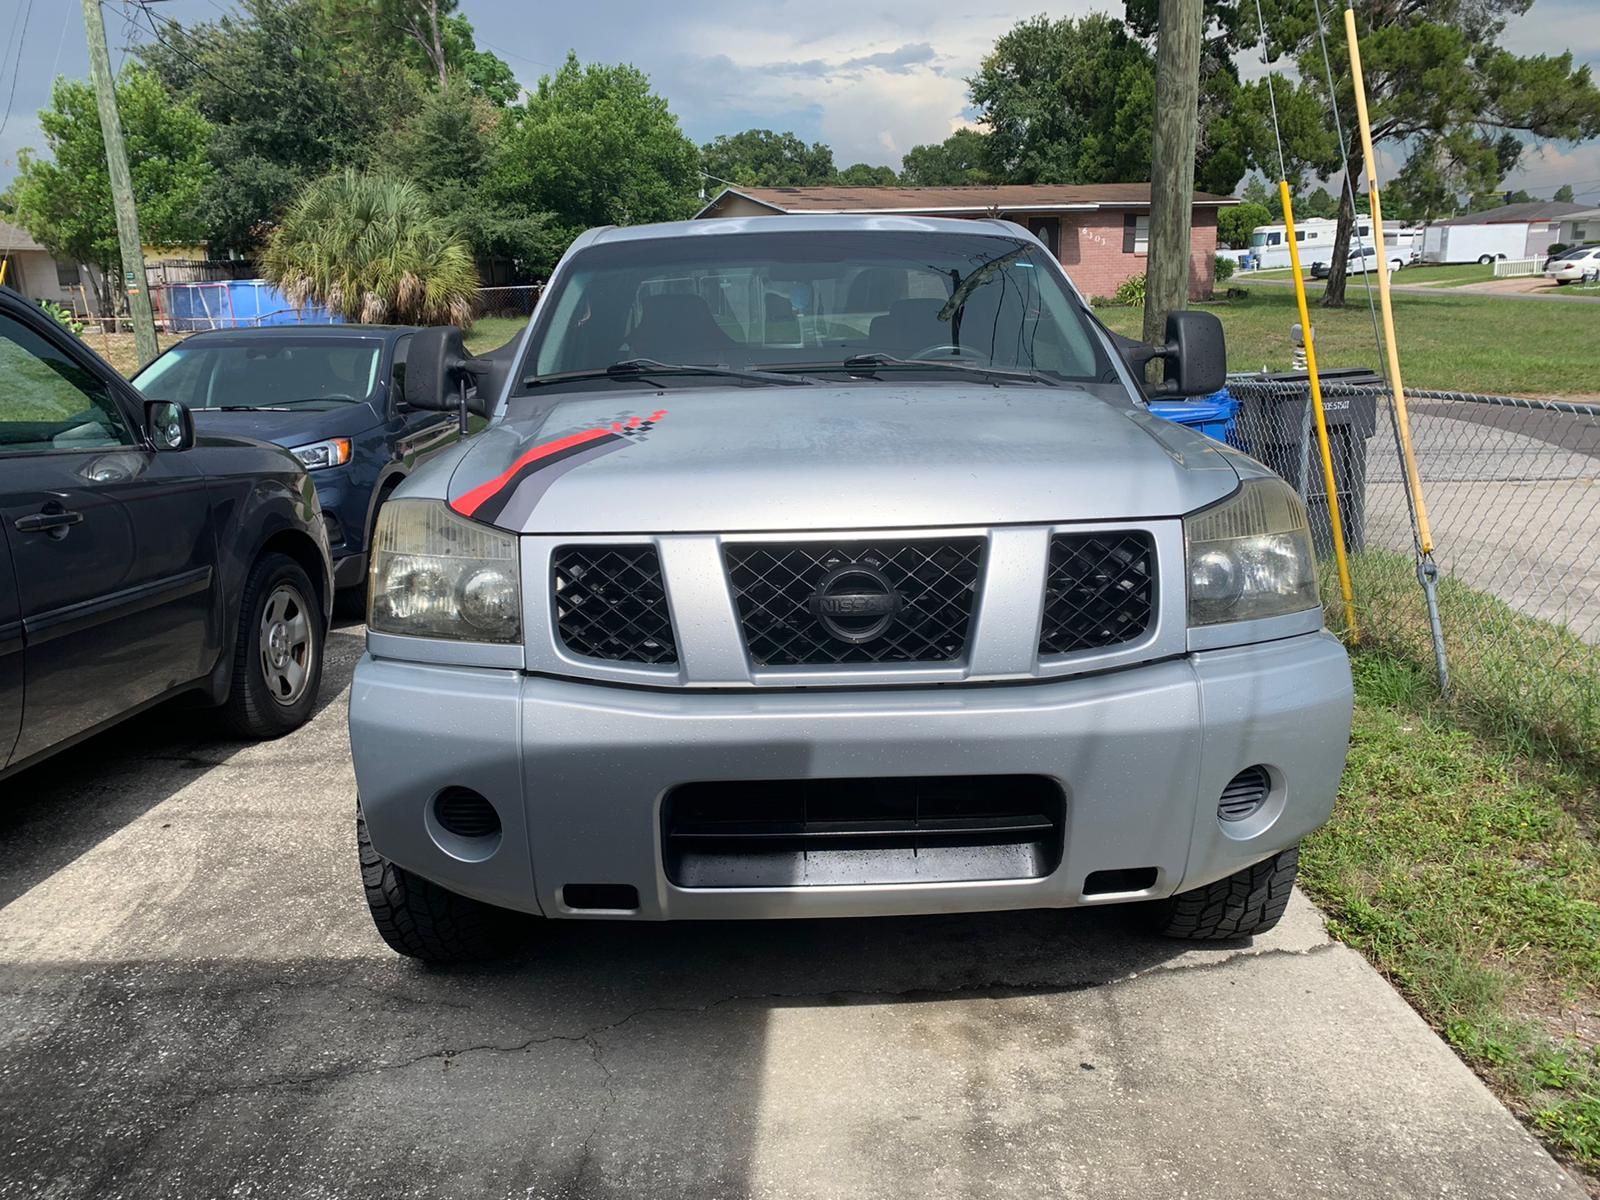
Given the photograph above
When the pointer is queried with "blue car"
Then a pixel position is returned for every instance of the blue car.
(330, 394)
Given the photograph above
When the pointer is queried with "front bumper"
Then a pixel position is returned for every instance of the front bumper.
(578, 772)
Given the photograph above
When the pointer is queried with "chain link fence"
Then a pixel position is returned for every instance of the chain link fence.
(516, 300)
(1512, 493)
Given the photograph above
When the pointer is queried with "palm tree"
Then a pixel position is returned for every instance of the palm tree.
(368, 248)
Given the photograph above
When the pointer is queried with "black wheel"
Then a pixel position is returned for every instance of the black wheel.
(422, 920)
(277, 657)
(1247, 902)
(1485, 259)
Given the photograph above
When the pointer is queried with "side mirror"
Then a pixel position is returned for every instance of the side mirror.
(170, 424)
(437, 365)
(1196, 355)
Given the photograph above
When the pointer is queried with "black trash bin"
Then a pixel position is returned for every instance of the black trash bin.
(1276, 425)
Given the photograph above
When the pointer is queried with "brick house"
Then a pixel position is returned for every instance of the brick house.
(1098, 231)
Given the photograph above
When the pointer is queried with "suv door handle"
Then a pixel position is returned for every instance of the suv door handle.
(54, 521)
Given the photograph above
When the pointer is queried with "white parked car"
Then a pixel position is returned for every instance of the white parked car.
(1360, 262)
(1582, 264)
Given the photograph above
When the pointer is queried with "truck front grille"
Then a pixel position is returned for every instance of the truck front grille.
(799, 832)
(775, 586)
(611, 603)
(1100, 590)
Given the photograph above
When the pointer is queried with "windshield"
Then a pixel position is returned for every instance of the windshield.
(816, 298)
(267, 372)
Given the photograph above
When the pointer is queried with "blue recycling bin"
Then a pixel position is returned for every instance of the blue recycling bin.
(1214, 415)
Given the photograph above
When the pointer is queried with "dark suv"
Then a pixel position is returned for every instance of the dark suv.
(330, 395)
(136, 562)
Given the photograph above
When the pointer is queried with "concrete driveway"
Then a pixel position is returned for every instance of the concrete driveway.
(193, 1003)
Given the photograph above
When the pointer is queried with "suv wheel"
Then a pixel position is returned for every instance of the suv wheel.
(420, 919)
(1247, 902)
(277, 657)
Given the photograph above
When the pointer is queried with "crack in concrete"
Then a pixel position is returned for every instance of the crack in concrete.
(996, 990)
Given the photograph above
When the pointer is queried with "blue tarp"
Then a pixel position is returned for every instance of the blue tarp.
(236, 304)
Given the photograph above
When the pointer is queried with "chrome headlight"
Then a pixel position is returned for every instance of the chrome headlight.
(315, 456)
(435, 574)
(1250, 556)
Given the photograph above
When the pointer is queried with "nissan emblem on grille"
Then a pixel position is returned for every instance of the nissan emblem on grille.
(855, 602)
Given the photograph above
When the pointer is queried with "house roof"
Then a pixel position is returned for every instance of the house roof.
(14, 237)
(1513, 214)
(977, 201)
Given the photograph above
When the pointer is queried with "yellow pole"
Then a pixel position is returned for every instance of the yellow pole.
(4, 263)
(1328, 481)
(1391, 349)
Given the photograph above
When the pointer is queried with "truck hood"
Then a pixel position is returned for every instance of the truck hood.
(850, 457)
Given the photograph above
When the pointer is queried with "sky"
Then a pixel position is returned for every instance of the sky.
(872, 78)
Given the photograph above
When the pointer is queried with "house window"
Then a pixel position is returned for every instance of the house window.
(1135, 233)
(67, 274)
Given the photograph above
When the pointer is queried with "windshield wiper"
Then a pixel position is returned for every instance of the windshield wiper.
(641, 368)
(866, 364)
(249, 408)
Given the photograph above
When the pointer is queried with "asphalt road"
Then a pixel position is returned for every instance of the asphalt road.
(193, 1004)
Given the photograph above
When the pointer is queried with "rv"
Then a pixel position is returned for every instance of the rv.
(1269, 247)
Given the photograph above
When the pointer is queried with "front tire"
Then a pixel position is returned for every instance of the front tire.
(420, 919)
(277, 656)
(1247, 902)
(1485, 259)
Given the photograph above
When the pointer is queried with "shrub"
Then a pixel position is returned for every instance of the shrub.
(1557, 248)
(1130, 292)
(369, 248)
(63, 316)
(1225, 267)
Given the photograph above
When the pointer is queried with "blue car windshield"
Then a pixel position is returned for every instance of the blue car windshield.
(790, 298)
(305, 373)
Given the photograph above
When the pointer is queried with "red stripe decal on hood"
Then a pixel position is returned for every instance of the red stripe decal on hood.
(469, 502)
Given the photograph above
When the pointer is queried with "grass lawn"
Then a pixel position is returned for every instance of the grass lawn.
(1465, 342)
(487, 333)
(1467, 871)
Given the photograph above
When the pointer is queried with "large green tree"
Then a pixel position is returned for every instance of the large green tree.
(1066, 101)
(429, 37)
(595, 146)
(866, 175)
(762, 158)
(64, 200)
(1440, 85)
(1235, 224)
(448, 149)
(955, 162)
(289, 100)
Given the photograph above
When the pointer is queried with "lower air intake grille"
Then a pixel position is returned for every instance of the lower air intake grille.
(1245, 794)
(809, 832)
(611, 603)
(931, 586)
(1100, 591)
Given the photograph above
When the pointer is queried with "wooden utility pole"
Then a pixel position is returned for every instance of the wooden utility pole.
(144, 322)
(1179, 27)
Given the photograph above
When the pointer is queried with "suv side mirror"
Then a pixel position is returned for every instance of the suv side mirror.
(437, 367)
(1196, 354)
(170, 424)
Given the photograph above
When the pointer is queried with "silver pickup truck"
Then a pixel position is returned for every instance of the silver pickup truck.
(833, 566)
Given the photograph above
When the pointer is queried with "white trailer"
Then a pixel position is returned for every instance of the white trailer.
(1481, 243)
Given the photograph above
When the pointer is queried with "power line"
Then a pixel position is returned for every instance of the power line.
(16, 67)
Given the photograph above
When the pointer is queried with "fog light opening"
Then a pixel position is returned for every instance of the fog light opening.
(1245, 795)
(465, 813)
